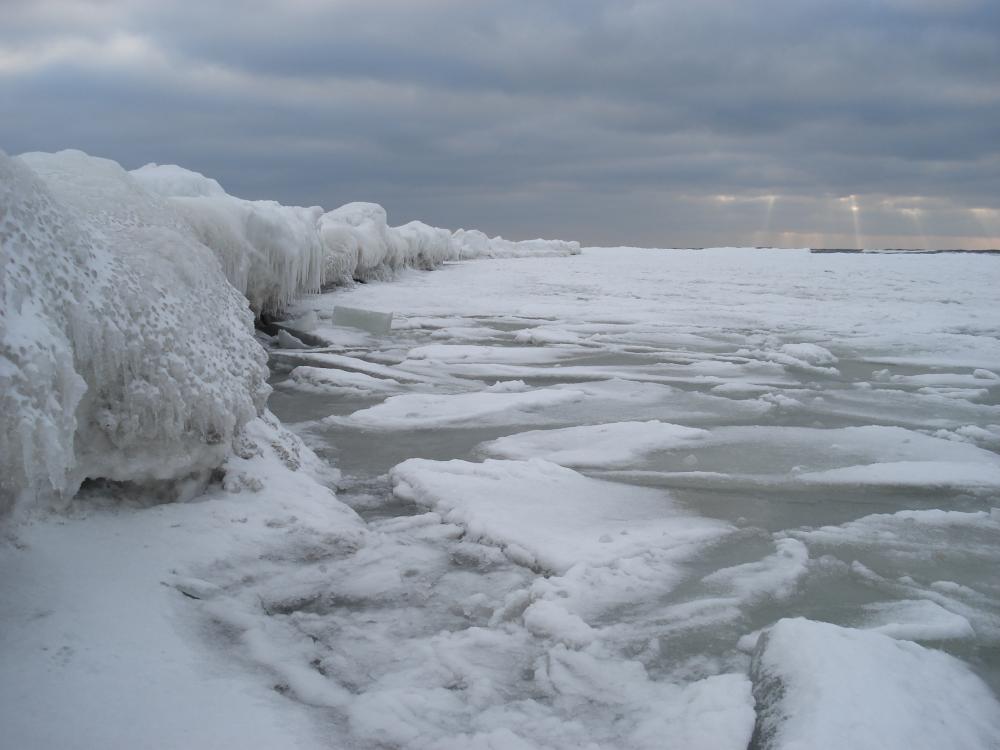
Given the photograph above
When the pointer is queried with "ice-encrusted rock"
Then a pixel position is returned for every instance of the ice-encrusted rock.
(124, 353)
(821, 686)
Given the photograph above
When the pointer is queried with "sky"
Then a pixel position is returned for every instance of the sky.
(847, 123)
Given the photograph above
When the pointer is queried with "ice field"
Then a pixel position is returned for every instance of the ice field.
(591, 483)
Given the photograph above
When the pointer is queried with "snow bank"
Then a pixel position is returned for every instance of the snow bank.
(822, 686)
(124, 354)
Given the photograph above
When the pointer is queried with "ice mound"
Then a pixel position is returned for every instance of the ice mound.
(475, 244)
(274, 253)
(269, 252)
(171, 180)
(361, 245)
(124, 354)
(821, 686)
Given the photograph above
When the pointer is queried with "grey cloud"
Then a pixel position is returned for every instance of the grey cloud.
(604, 121)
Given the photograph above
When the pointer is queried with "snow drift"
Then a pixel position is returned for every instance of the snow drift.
(124, 354)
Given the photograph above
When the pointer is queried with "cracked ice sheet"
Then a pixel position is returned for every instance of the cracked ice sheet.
(608, 545)
(550, 517)
(513, 402)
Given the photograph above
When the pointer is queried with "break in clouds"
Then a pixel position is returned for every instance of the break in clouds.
(649, 123)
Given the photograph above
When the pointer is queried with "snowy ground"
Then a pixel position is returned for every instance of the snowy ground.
(584, 489)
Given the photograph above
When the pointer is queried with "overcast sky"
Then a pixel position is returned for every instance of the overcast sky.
(685, 123)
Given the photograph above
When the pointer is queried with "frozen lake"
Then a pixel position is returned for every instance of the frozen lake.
(593, 481)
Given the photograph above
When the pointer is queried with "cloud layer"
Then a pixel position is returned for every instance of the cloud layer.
(694, 122)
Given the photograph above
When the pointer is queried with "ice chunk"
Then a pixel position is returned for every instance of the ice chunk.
(775, 577)
(415, 411)
(814, 354)
(917, 620)
(288, 341)
(366, 320)
(911, 474)
(822, 686)
(601, 445)
(548, 516)
(332, 380)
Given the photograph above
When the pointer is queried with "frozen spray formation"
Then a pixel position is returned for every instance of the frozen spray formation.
(127, 350)
(274, 253)
(125, 354)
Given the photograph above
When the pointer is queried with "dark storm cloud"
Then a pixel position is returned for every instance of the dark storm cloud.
(694, 122)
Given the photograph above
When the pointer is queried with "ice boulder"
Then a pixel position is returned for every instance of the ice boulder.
(825, 687)
(124, 352)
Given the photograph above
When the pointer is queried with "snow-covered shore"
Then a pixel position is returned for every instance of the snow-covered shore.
(127, 350)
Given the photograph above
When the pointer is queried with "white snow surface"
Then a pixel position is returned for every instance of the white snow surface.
(103, 604)
(821, 686)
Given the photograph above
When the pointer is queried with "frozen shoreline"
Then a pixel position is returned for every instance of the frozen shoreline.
(571, 503)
